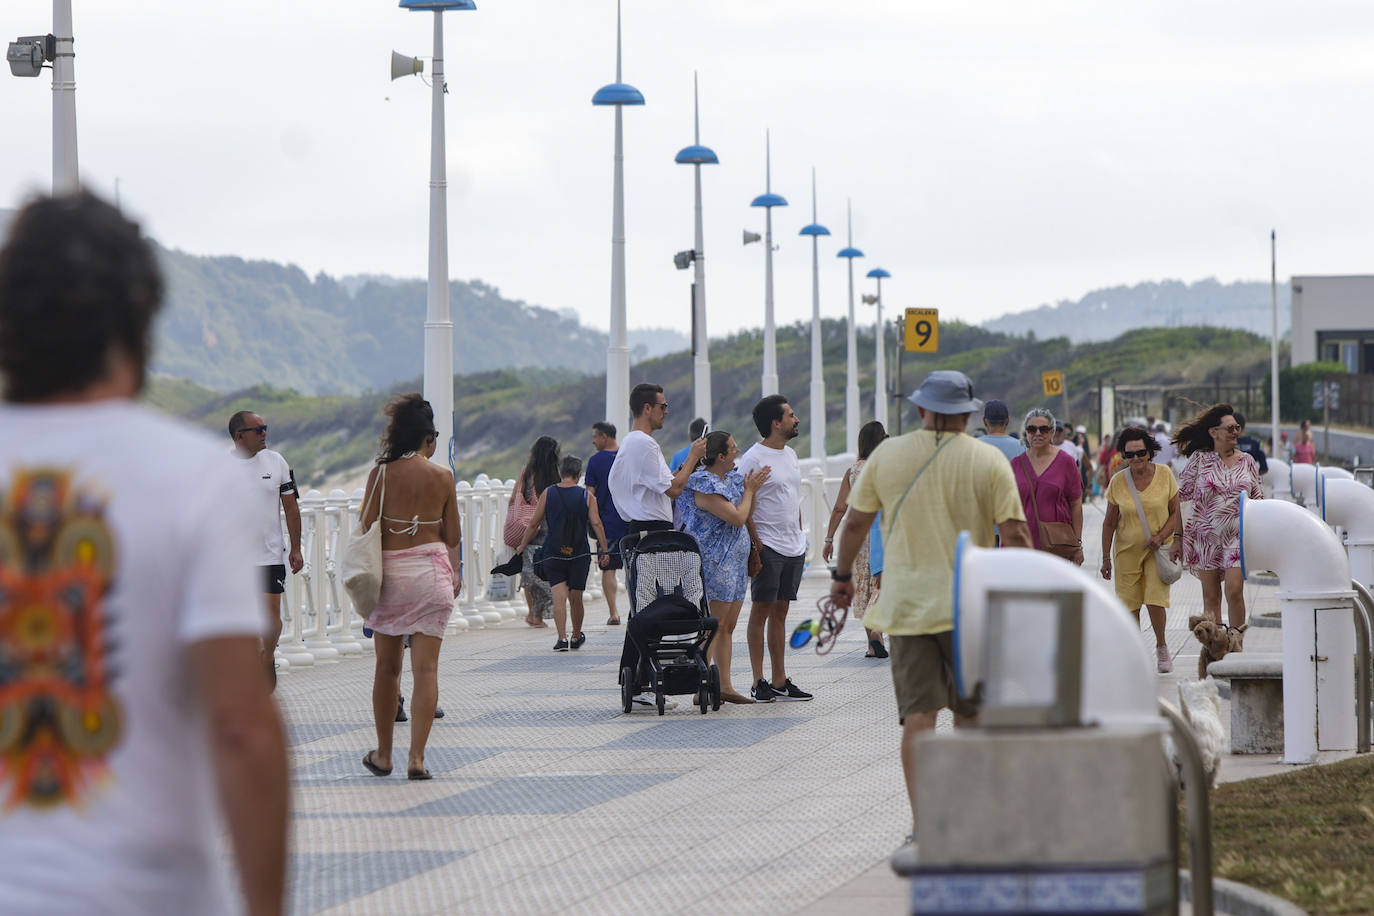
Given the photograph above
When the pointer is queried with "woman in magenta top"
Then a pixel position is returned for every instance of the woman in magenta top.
(1058, 487)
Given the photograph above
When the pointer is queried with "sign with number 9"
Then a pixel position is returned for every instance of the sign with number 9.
(922, 330)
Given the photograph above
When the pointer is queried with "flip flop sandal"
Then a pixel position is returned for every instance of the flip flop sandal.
(419, 774)
(372, 767)
(876, 649)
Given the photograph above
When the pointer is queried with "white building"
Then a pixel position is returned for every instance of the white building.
(1333, 319)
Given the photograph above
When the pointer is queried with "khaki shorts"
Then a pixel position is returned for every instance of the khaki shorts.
(923, 675)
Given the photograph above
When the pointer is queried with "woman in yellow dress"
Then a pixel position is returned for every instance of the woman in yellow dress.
(1133, 569)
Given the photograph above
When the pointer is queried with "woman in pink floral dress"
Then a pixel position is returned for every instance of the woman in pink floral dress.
(1216, 475)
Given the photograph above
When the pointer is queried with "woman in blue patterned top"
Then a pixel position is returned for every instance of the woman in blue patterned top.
(715, 506)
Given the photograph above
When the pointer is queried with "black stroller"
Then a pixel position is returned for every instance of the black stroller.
(670, 627)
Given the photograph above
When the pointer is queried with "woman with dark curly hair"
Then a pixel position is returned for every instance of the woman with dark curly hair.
(1216, 475)
(418, 513)
(1136, 575)
(539, 473)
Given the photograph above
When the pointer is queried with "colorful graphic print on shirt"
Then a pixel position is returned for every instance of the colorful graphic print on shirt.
(59, 718)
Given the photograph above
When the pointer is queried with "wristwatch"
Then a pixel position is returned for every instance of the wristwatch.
(839, 576)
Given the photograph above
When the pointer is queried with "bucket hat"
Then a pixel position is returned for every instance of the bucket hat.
(946, 391)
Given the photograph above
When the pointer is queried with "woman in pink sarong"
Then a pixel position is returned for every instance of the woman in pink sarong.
(420, 551)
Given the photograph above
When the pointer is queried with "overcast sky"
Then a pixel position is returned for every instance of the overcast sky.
(998, 154)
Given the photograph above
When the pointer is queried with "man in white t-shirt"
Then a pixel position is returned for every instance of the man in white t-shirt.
(134, 626)
(274, 494)
(776, 525)
(643, 490)
(641, 484)
(1167, 453)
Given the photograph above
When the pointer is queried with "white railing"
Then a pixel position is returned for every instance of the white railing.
(319, 625)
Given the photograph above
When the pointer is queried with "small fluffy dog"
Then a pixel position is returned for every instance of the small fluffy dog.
(1217, 640)
(1201, 709)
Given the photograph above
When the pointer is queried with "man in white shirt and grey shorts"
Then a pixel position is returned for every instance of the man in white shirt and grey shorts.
(272, 484)
(776, 524)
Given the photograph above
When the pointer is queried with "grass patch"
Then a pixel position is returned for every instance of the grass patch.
(1305, 836)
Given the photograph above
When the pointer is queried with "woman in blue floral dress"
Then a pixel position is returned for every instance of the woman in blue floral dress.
(715, 505)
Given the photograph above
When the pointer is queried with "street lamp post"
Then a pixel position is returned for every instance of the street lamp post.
(879, 362)
(851, 388)
(697, 155)
(438, 321)
(768, 200)
(618, 95)
(815, 230)
(26, 57)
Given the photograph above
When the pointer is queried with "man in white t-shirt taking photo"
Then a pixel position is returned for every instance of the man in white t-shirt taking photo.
(930, 485)
(274, 494)
(643, 490)
(132, 653)
(776, 524)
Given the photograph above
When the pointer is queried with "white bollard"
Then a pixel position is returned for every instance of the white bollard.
(313, 532)
(473, 537)
(464, 608)
(342, 629)
(1315, 601)
(813, 497)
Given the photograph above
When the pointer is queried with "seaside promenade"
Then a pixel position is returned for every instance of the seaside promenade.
(546, 798)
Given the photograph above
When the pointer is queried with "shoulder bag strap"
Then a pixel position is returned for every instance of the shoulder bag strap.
(892, 518)
(368, 505)
(1035, 509)
(1135, 495)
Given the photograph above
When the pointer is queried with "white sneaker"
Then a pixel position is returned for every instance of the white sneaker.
(649, 699)
(1165, 662)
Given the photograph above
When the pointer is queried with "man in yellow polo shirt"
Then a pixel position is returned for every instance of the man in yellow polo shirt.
(930, 485)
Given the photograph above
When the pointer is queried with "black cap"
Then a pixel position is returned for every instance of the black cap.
(996, 413)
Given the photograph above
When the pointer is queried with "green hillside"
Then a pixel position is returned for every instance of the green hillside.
(499, 413)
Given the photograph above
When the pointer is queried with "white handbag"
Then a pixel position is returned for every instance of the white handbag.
(1169, 571)
(361, 565)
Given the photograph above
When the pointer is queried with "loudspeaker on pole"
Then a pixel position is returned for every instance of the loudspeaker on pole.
(401, 65)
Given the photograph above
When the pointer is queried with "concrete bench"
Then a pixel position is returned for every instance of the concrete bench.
(1256, 701)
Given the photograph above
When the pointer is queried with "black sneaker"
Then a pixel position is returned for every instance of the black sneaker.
(762, 692)
(789, 691)
(561, 646)
(401, 710)
(577, 641)
(438, 712)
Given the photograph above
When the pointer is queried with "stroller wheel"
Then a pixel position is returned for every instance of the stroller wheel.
(704, 699)
(662, 701)
(627, 689)
(713, 684)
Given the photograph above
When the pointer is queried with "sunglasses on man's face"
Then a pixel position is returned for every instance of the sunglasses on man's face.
(1140, 453)
(1038, 430)
(254, 429)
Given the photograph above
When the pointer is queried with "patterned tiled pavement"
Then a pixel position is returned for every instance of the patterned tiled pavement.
(546, 798)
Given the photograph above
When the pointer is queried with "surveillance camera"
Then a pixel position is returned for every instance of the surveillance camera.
(684, 259)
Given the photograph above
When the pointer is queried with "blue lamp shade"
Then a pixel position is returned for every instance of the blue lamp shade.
(440, 5)
(815, 229)
(879, 273)
(618, 94)
(769, 200)
(697, 155)
(850, 253)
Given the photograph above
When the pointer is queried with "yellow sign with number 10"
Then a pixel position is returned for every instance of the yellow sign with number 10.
(1053, 382)
(922, 330)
